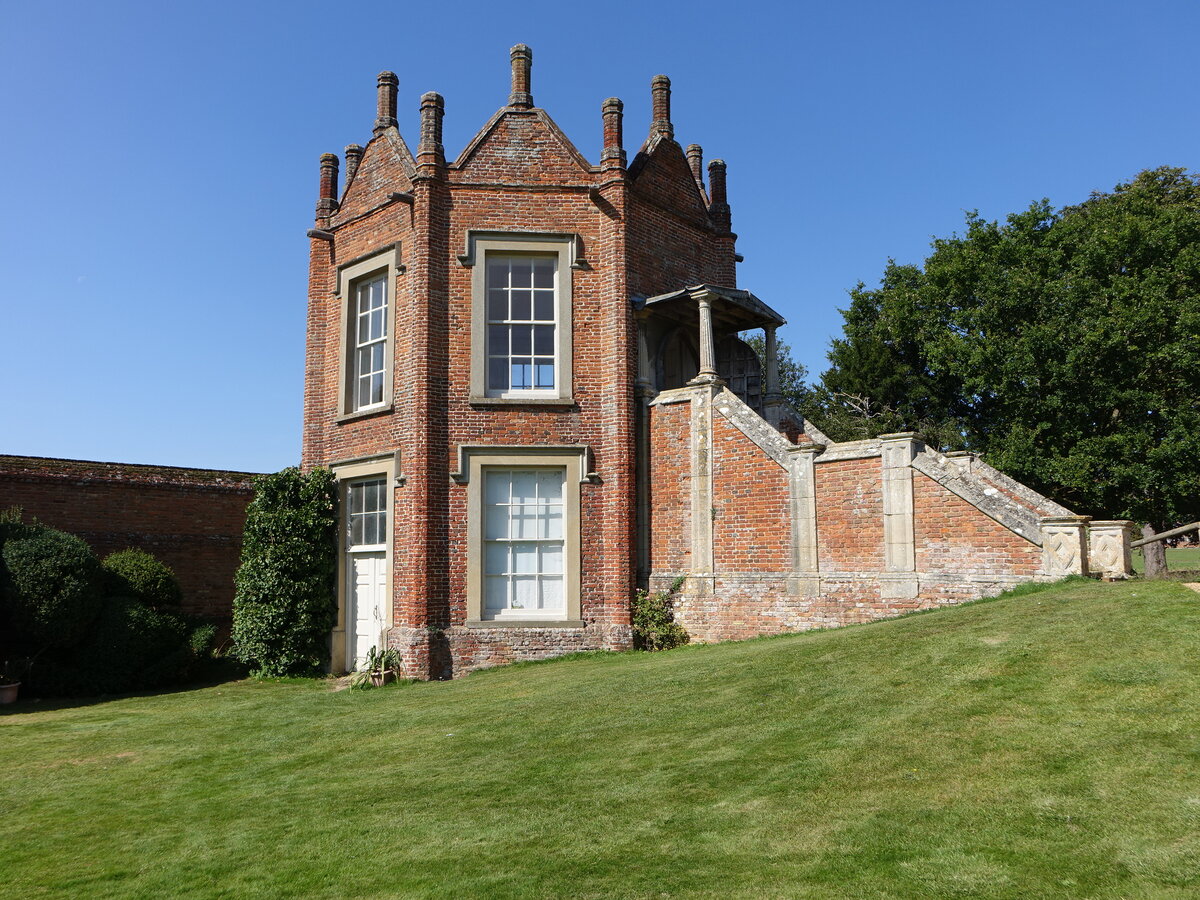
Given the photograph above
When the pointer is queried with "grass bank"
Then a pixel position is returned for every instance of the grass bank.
(1041, 745)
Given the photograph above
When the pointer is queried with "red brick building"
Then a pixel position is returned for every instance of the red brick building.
(525, 370)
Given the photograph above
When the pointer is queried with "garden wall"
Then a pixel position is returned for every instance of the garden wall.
(191, 519)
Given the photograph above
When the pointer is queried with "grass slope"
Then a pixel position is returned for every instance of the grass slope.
(1039, 745)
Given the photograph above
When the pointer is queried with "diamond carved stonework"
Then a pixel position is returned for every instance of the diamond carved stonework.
(1064, 551)
(1109, 555)
(1108, 552)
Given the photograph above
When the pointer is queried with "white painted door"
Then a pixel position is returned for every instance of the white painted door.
(366, 617)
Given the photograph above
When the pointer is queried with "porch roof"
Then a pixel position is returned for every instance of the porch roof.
(733, 309)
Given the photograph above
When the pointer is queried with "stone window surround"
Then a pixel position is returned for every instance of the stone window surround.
(386, 465)
(473, 459)
(387, 261)
(566, 248)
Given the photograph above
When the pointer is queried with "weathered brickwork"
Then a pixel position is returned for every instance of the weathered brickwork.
(191, 519)
(952, 536)
(751, 523)
(670, 488)
(767, 498)
(850, 515)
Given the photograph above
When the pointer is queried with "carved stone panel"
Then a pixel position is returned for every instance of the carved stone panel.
(1109, 553)
(1064, 546)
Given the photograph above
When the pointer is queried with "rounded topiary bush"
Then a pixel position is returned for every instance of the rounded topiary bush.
(51, 584)
(138, 574)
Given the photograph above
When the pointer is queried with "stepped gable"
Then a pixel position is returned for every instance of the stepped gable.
(386, 167)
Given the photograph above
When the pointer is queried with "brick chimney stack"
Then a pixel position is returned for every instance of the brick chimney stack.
(718, 207)
(695, 158)
(522, 62)
(327, 198)
(433, 107)
(354, 155)
(613, 155)
(386, 101)
(660, 92)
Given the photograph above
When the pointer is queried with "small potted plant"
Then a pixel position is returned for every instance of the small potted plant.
(10, 680)
(381, 667)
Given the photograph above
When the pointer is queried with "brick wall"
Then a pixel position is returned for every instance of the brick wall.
(850, 515)
(959, 551)
(191, 519)
(951, 535)
(670, 488)
(751, 521)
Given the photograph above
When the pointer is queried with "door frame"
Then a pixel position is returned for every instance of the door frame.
(386, 466)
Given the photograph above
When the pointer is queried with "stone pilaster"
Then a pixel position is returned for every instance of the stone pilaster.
(805, 580)
(1064, 545)
(708, 353)
(1109, 553)
(702, 489)
(899, 550)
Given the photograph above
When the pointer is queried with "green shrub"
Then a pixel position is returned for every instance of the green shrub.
(202, 640)
(654, 625)
(138, 574)
(129, 647)
(285, 605)
(52, 586)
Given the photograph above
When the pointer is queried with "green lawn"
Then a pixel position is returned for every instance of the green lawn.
(1179, 559)
(1040, 745)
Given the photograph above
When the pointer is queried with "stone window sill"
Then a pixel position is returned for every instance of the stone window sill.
(526, 623)
(563, 402)
(365, 413)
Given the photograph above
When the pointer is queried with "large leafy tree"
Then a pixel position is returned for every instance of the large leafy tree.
(1063, 345)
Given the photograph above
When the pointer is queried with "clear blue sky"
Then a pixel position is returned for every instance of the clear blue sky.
(161, 166)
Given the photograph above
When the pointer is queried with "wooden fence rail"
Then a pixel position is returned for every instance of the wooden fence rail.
(1182, 529)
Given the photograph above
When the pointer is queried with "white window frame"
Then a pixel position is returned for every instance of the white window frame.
(347, 472)
(538, 542)
(475, 461)
(386, 264)
(364, 321)
(349, 514)
(511, 325)
(563, 248)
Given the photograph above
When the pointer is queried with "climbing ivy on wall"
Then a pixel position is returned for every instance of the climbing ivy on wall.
(286, 600)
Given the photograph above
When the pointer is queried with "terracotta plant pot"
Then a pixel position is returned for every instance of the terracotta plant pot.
(379, 679)
(8, 693)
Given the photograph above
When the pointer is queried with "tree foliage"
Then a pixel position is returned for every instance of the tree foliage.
(1063, 345)
(285, 605)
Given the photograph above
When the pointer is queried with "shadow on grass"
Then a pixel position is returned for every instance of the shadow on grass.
(212, 673)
